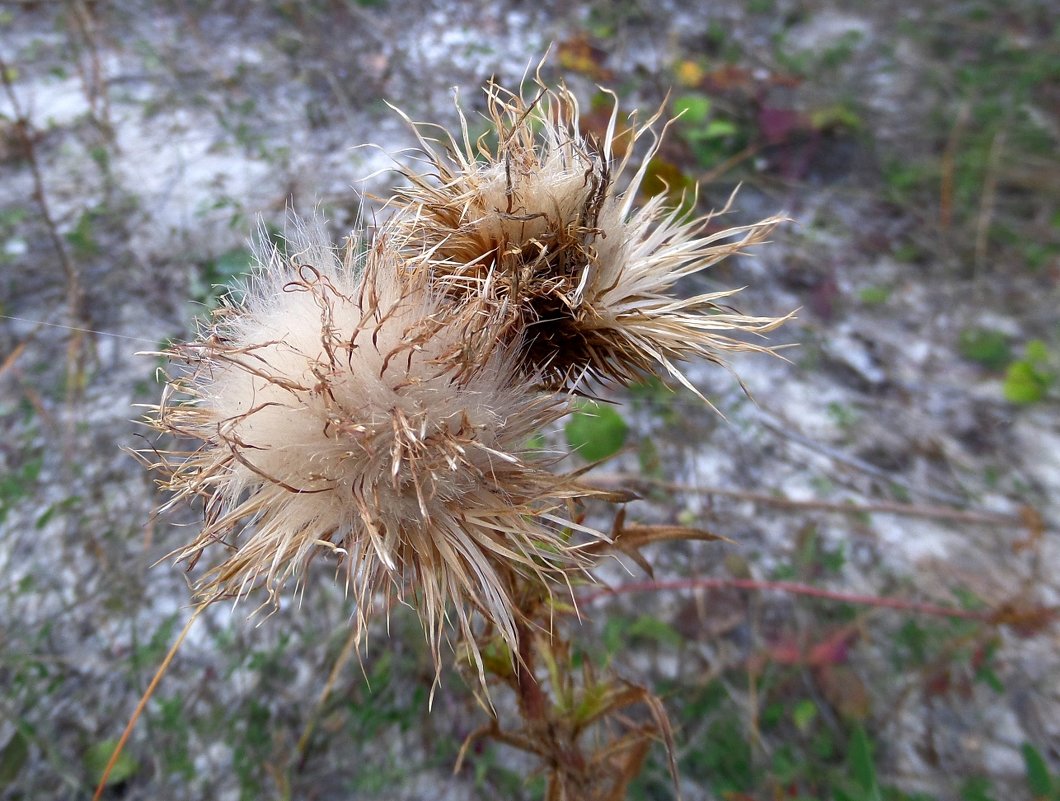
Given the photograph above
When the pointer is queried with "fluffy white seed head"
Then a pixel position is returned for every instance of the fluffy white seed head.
(376, 409)
(344, 409)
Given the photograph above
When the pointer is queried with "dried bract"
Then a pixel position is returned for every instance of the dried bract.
(535, 216)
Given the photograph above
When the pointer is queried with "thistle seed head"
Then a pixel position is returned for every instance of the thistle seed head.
(339, 410)
(538, 218)
(378, 408)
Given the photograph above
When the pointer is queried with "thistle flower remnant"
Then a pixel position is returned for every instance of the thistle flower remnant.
(378, 408)
(538, 224)
(336, 411)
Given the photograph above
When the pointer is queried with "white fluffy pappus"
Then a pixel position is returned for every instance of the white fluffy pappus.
(341, 408)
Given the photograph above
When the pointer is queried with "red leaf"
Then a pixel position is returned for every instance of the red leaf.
(778, 124)
(835, 649)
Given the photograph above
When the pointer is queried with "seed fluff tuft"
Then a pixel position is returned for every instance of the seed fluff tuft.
(341, 408)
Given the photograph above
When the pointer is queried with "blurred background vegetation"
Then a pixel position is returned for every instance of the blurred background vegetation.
(909, 448)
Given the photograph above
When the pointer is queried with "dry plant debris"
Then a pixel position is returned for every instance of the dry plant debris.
(377, 407)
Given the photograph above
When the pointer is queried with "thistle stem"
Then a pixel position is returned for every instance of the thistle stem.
(532, 701)
(143, 701)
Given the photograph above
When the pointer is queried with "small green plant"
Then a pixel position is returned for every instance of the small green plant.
(621, 633)
(842, 116)
(18, 483)
(985, 346)
(977, 788)
(13, 757)
(1041, 783)
(1027, 380)
(905, 180)
(221, 276)
(96, 761)
(11, 242)
(874, 295)
(845, 417)
(862, 784)
(711, 136)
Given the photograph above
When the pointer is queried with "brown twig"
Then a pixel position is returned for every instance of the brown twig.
(23, 127)
(336, 669)
(486, 730)
(12, 357)
(93, 83)
(956, 515)
(531, 699)
(794, 588)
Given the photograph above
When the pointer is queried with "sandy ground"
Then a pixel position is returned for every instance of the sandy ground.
(160, 136)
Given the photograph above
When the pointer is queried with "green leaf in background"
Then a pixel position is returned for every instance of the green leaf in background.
(874, 295)
(987, 675)
(804, 714)
(1023, 384)
(985, 346)
(1037, 353)
(719, 129)
(83, 238)
(838, 115)
(12, 757)
(596, 431)
(862, 768)
(222, 276)
(694, 109)
(99, 755)
(647, 627)
(232, 264)
(976, 789)
(536, 442)
(1039, 782)
(664, 176)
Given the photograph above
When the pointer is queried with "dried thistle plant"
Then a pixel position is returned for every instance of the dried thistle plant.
(538, 217)
(377, 408)
(336, 410)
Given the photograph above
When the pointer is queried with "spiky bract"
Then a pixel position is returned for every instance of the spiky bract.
(535, 217)
(337, 411)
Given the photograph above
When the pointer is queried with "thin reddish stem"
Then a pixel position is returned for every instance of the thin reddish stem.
(789, 587)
